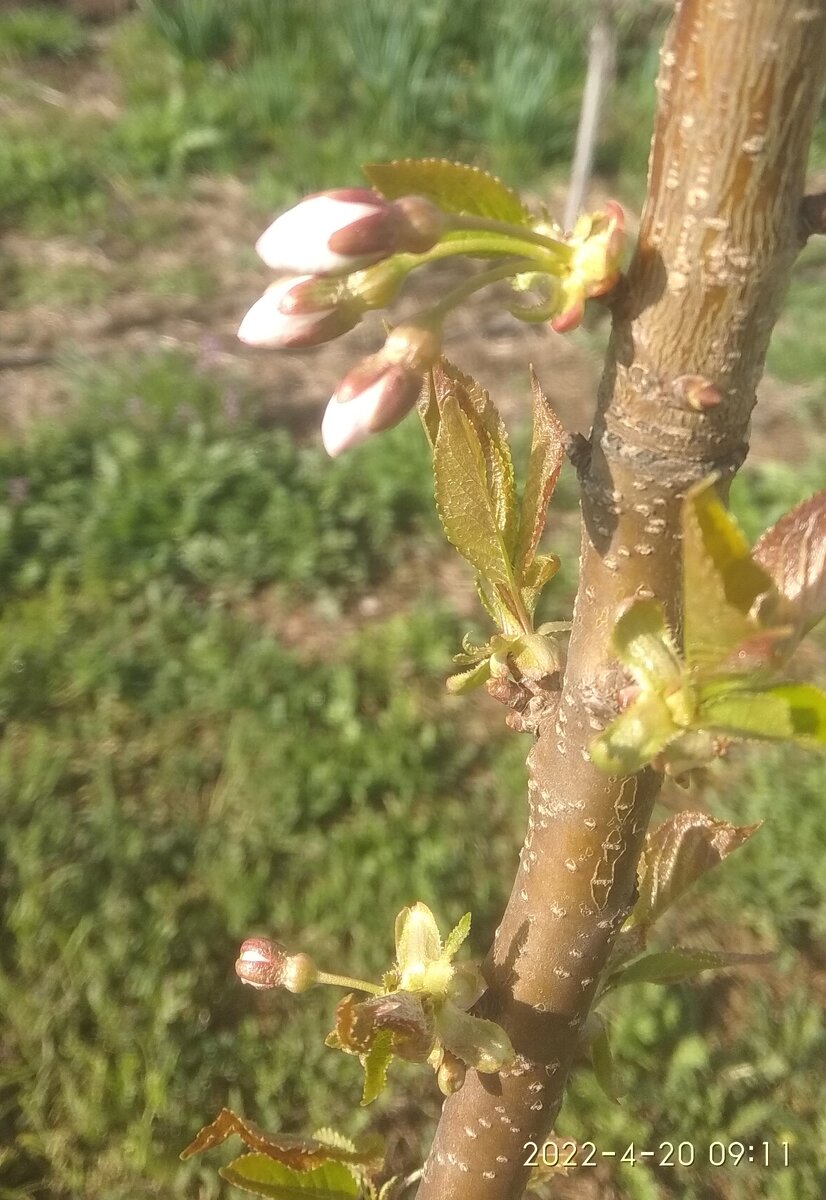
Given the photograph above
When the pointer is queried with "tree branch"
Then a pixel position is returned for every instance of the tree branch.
(738, 90)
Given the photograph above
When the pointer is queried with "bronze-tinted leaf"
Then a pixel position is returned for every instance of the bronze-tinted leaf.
(678, 964)
(402, 1014)
(679, 851)
(793, 553)
(300, 1154)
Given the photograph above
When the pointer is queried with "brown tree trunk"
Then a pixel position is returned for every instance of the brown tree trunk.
(738, 90)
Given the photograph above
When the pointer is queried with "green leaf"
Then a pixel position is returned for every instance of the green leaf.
(456, 937)
(673, 966)
(467, 508)
(721, 583)
(642, 642)
(602, 1060)
(536, 575)
(787, 712)
(678, 852)
(544, 465)
(376, 1062)
(793, 553)
(635, 737)
(264, 1177)
(481, 1044)
(454, 187)
(467, 681)
(483, 414)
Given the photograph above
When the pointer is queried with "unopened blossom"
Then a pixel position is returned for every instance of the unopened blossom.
(264, 964)
(337, 232)
(298, 312)
(381, 390)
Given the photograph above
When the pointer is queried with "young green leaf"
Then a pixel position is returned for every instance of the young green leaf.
(541, 570)
(456, 937)
(483, 414)
(678, 852)
(793, 553)
(263, 1177)
(376, 1062)
(454, 187)
(467, 509)
(642, 642)
(635, 736)
(786, 712)
(721, 582)
(673, 966)
(481, 1044)
(544, 465)
(467, 681)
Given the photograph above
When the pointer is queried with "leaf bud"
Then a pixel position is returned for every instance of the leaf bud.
(299, 312)
(451, 1074)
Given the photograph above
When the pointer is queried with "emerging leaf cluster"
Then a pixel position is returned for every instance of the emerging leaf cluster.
(497, 534)
(743, 614)
(421, 1014)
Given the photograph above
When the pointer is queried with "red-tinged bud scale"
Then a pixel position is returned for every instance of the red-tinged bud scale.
(338, 232)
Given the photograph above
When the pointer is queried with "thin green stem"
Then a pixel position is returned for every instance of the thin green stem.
(347, 981)
(549, 258)
(517, 232)
(459, 294)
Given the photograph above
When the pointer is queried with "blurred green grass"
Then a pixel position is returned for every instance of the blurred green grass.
(177, 772)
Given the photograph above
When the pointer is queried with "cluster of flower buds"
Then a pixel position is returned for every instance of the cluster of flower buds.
(345, 252)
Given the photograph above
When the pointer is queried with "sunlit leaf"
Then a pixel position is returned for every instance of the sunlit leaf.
(544, 465)
(642, 642)
(635, 736)
(301, 1154)
(673, 966)
(721, 582)
(481, 1044)
(785, 712)
(467, 681)
(263, 1176)
(477, 406)
(793, 553)
(678, 852)
(541, 570)
(418, 941)
(376, 1062)
(454, 187)
(466, 507)
(457, 936)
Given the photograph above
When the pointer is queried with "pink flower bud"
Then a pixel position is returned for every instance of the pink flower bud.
(265, 964)
(298, 312)
(335, 233)
(381, 390)
(261, 963)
